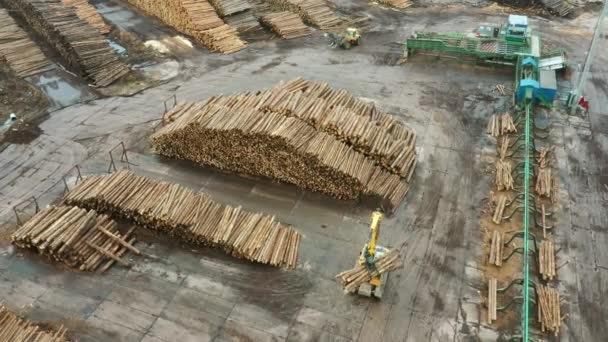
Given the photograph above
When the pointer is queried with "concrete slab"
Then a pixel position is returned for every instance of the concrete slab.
(125, 316)
(170, 331)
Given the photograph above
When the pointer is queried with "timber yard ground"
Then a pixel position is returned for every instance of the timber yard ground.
(177, 292)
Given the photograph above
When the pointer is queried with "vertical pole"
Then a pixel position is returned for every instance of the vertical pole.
(526, 261)
(578, 91)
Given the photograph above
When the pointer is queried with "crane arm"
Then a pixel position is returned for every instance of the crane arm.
(374, 232)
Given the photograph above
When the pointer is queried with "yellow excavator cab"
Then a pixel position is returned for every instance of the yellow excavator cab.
(353, 36)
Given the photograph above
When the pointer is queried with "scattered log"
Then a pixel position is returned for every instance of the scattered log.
(79, 238)
(15, 328)
(496, 248)
(300, 132)
(85, 50)
(23, 56)
(350, 280)
(288, 25)
(190, 216)
(499, 209)
(492, 304)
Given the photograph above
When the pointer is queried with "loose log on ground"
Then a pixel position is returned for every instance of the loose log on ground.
(352, 279)
(85, 50)
(79, 238)
(22, 55)
(189, 216)
(15, 328)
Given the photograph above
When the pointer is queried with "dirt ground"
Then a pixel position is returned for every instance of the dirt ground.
(177, 292)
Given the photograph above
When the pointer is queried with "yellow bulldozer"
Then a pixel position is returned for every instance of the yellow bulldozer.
(351, 37)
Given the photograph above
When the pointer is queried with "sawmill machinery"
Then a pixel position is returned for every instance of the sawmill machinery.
(370, 253)
(351, 37)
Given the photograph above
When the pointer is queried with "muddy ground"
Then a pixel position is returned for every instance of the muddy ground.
(188, 293)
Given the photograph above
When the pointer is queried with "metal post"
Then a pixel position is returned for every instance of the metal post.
(589, 60)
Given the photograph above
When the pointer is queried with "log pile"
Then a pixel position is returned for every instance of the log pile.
(501, 124)
(549, 312)
(196, 18)
(22, 55)
(15, 328)
(190, 216)
(244, 22)
(88, 13)
(546, 260)
(352, 279)
(301, 132)
(84, 49)
(496, 248)
(288, 25)
(229, 7)
(504, 177)
(546, 184)
(76, 237)
(399, 4)
(314, 12)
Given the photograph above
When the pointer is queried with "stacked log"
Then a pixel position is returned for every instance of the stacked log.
(546, 260)
(504, 177)
(85, 50)
(229, 7)
(15, 328)
(88, 13)
(190, 216)
(196, 18)
(76, 237)
(546, 183)
(314, 12)
(284, 134)
(23, 56)
(288, 25)
(399, 4)
(549, 311)
(501, 124)
(352, 279)
(244, 22)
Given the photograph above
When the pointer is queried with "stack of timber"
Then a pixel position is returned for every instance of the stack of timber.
(229, 7)
(560, 7)
(244, 22)
(399, 4)
(313, 12)
(496, 248)
(88, 13)
(196, 18)
(85, 50)
(549, 312)
(79, 238)
(546, 184)
(303, 133)
(501, 124)
(504, 176)
(16, 329)
(190, 216)
(288, 25)
(20, 52)
(546, 260)
(352, 279)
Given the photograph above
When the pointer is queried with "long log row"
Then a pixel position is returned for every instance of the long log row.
(88, 13)
(399, 4)
(352, 279)
(288, 25)
(229, 7)
(190, 216)
(196, 18)
(287, 149)
(23, 56)
(15, 328)
(313, 12)
(84, 49)
(79, 238)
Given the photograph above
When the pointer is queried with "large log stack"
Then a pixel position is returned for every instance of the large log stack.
(16, 329)
(88, 13)
(83, 48)
(79, 238)
(190, 216)
(23, 56)
(196, 18)
(300, 132)
(288, 25)
(313, 12)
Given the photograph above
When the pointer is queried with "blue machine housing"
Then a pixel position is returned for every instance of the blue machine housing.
(527, 87)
